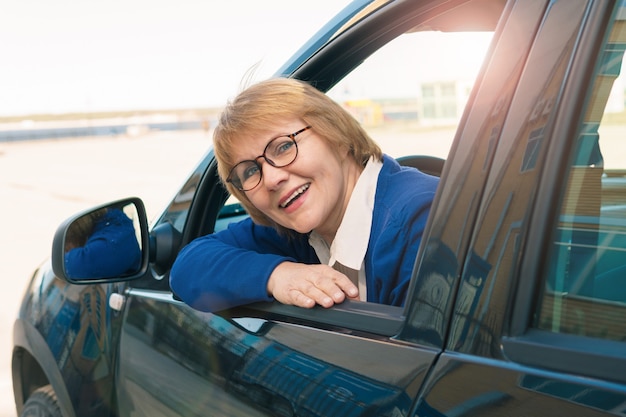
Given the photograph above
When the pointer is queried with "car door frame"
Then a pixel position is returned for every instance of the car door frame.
(516, 350)
(344, 51)
(595, 358)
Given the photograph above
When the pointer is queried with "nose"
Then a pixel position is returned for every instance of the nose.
(272, 176)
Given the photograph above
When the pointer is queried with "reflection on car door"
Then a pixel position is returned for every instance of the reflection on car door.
(178, 361)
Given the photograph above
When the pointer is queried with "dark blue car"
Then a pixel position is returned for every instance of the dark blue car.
(517, 304)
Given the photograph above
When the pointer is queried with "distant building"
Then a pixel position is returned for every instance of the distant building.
(439, 103)
(442, 103)
(366, 111)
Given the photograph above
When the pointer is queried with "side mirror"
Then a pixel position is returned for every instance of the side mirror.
(106, 243)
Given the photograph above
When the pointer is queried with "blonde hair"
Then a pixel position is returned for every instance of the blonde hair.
(269, 102)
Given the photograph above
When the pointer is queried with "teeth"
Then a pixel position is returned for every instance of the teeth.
(294, 195)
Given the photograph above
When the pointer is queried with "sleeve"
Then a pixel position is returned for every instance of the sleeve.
(232, 267)
(112, 250)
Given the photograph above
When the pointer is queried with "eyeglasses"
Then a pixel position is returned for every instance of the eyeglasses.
(279, 152)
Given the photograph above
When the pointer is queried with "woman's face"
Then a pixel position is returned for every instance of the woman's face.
(311, 193)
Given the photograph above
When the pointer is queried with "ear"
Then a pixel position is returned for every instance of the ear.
(346, 151)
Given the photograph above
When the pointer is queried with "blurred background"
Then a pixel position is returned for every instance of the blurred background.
(70, 56)
(104, 100)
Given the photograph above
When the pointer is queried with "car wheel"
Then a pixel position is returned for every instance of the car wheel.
(42, 403)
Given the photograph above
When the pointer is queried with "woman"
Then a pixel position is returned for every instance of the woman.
(322, 198)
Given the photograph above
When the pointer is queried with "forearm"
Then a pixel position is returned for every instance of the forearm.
(210, 275)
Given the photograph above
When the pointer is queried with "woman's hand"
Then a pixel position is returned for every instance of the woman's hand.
(306, 285)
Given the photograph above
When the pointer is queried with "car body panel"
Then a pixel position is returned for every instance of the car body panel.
(69, 332)
(185, 359)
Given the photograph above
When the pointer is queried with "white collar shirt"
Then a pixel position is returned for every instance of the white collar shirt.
(350, 244)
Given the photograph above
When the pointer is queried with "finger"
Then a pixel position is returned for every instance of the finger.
(330, 288)
(341, 287)
(347, 287)
(320, 297)
(328, 285)
(301, 300)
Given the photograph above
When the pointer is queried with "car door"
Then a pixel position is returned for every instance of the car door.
(263, 360)
(356, 358)
(546, 334)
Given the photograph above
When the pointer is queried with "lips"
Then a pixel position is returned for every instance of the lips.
(294, 196)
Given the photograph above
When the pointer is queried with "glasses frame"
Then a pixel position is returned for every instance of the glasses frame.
(291, 136)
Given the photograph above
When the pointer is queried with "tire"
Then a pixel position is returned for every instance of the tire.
(42, 403)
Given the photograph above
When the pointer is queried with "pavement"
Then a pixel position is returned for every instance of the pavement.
(42, 182)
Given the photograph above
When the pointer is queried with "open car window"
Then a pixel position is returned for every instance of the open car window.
(409, 95)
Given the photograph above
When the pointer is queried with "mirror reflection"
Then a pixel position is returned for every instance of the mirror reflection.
(103, 244)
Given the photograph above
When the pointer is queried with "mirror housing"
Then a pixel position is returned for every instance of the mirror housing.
(165, 241)
(107, 243)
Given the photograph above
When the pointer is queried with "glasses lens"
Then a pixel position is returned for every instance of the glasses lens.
(281, 151)
(246, 175)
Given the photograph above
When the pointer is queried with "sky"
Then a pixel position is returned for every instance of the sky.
(93, 55)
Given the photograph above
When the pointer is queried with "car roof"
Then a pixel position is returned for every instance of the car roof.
(483, 16)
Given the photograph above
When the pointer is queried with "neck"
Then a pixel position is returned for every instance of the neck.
(352, 171)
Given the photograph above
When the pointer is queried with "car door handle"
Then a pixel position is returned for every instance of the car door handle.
(116, 301)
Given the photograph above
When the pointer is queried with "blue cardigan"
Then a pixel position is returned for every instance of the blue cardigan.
(232, 267)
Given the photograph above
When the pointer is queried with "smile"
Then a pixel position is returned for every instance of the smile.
(293, 197)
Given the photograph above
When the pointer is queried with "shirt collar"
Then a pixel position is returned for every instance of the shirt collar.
(350, 244)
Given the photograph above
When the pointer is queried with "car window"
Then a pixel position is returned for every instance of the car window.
(232, 211)
(585, 280)
(410, 94)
